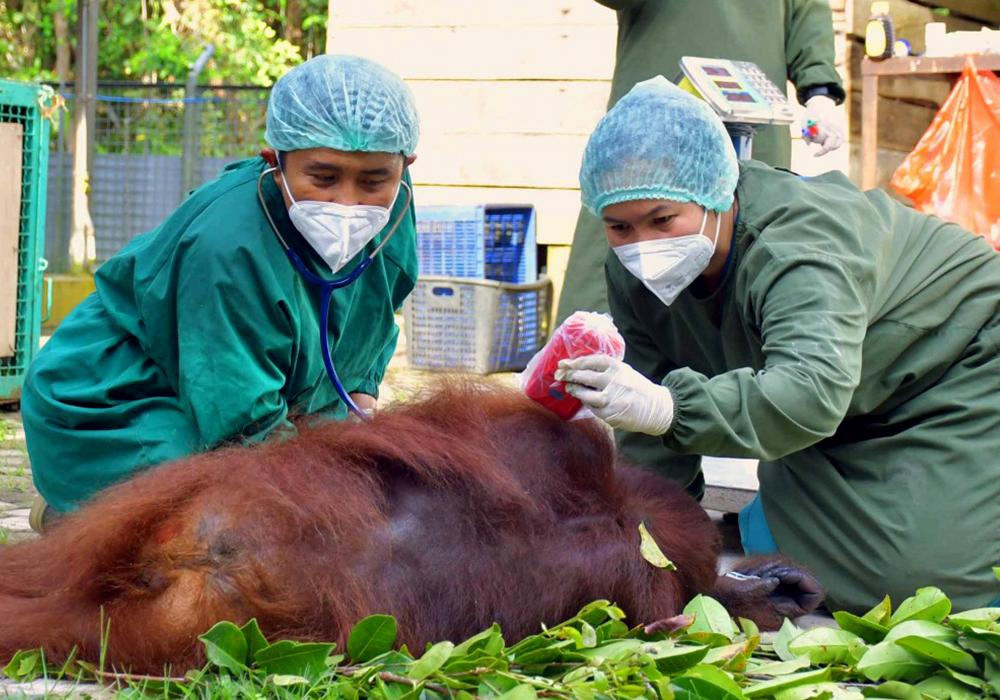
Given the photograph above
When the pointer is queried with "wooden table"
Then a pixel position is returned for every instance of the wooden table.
(871, 71)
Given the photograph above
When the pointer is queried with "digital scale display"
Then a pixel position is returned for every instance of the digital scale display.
(738, 91)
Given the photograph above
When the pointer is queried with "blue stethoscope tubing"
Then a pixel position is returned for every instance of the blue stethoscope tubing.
(327, 288)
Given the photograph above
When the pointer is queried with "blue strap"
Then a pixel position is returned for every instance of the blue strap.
(755, 535)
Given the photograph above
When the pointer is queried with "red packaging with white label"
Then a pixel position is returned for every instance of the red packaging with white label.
(583, 333)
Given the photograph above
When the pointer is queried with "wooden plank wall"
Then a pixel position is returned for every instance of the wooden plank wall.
(508, 92)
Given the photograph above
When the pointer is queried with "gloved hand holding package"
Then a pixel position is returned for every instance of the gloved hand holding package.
(583, 333)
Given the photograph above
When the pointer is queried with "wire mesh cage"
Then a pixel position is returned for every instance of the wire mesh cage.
(22, 226)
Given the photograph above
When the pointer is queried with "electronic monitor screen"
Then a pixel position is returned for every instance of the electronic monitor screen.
(738, 96)
(728, 85)
(715, 70)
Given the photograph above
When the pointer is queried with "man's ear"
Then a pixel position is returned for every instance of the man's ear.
(409, 160)
(270, 156)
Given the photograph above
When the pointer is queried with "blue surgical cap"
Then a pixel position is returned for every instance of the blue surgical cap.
(659, 142)
(346, 103)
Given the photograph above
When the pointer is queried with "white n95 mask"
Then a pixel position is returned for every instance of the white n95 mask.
(337, 232)
(667, 266)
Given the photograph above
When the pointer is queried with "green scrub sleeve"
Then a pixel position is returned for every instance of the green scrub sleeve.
(812, 319)
(809, 49)
(370, 383)
(642, 354)
(232, 345)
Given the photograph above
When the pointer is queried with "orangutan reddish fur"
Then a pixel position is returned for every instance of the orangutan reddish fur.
(471, 506)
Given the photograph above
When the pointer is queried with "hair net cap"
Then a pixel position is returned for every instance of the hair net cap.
(659, 142)
(346, 103)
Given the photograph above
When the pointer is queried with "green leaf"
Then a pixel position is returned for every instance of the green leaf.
(374, 635)
(522, 691)
(786, 634)
(254, 637)
(944, 688)
(612, 651)
(889, 662)
(928, 604)
(942, 652)
(651, 551)
(996, 572)
(588, 635)
(893, 689)
(824, 645)
(673, 658)
(971, 681)
(983, 618)
(749, 628)
(433, 659)
(294, 658)
(703, 682)
(921, 628)
(709, 616)
(26, 665)
(781, 668)
(819, 691)
(881, 613)
(489, 640)
(763, 689)
(226, 647)
(287, 680)
(871, 632)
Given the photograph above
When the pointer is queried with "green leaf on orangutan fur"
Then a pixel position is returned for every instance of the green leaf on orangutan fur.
(374, 635)
(226, 647)
(651, 551)
(929, 603)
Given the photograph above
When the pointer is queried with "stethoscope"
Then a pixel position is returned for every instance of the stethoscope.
(327, 287)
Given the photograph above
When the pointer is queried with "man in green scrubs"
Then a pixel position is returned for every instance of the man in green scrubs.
(788, 40)
(846, 341)
(201, 332)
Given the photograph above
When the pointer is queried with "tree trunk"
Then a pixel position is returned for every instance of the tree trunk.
(62, 47)
(293, 22)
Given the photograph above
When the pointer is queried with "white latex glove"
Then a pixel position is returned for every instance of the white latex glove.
(617, 394)
(822, 111)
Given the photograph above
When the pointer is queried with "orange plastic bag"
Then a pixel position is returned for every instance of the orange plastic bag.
(954, 170)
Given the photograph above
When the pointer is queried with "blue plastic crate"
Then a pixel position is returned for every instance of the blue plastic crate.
(491, 241)
(470, 325)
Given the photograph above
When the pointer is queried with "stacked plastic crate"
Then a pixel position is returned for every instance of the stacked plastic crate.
(479, 305)
(24, 146)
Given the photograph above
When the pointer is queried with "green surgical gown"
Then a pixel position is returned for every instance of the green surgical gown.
(201, 333)
(852, 348)
(788, 39)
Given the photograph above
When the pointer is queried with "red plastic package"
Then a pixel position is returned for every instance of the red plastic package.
(954, 170)
(583, 333)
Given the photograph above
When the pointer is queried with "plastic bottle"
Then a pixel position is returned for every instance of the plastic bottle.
(879, 34)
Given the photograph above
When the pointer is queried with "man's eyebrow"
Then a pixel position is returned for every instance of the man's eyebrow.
(318, 165)
(655, 210)
(378, 172)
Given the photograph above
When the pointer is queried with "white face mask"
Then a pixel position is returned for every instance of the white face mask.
(337, 232)
(668, 265)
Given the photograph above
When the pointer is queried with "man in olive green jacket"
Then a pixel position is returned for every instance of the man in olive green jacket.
(788, 39)
(846, 341)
